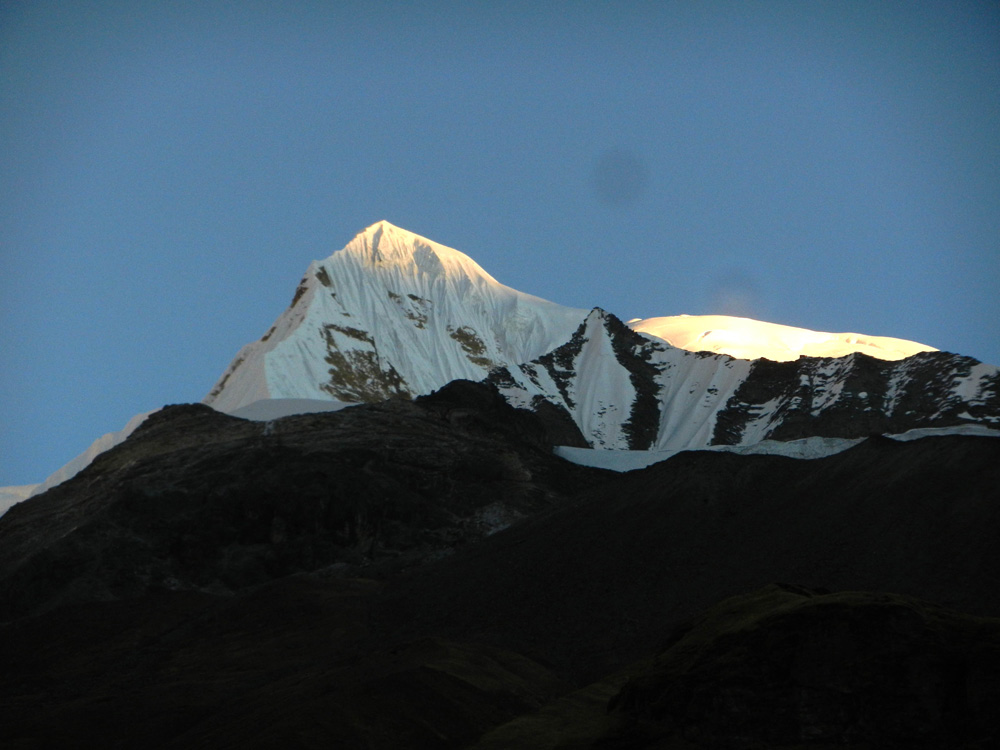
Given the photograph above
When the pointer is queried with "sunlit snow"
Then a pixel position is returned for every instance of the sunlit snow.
(744, 338)
(396, 314)
(391, 314)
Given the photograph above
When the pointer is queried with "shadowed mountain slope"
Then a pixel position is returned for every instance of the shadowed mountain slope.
(196, 499)
(428, 575)
(627, 559)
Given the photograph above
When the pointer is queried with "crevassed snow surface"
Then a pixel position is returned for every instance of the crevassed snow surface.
(744, 338)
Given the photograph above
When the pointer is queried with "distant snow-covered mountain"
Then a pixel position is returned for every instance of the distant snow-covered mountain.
(630, 392)
(394, 314)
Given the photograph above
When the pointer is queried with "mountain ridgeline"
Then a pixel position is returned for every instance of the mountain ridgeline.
(392, 315)
(395, 315)
(422, 569)
(627, 391)
(427, 574)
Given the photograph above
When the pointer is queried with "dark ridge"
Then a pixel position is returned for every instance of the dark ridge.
(633, 352)
(427, 574)
(923, 397)
(561, 361)
(195, 499)
(595, 585)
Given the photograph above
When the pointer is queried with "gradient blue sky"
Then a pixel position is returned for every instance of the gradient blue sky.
(169, 169)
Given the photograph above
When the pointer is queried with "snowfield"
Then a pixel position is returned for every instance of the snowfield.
(744, 338)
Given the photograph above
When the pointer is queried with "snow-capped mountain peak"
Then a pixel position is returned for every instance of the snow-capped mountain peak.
(393, 314)
(385, 245)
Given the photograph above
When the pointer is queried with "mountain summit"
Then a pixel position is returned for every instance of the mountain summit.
(396, 315)
(391, 315)
(386, 245)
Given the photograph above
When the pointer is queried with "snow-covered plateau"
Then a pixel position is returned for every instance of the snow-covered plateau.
(396, 315)
(753, 339)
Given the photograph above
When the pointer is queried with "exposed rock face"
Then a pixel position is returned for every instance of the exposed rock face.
(857, 395)
(628, 391)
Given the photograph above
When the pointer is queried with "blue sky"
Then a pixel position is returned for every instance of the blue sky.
(168, 171)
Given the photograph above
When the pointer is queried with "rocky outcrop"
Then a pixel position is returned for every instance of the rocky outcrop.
(625, 390)
(196, 499)
(858, 395)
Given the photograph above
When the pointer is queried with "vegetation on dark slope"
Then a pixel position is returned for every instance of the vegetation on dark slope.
(346, 579)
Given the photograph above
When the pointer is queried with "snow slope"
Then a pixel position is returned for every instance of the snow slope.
(391, 315)
(744, 338)
(626, 391)
(804, 448)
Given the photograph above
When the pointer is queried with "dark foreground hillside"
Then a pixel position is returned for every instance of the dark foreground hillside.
(428, 575)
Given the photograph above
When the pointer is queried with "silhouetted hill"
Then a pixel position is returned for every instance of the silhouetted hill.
(427, 574)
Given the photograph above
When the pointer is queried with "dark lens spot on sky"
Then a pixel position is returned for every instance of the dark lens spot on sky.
(620, 177)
